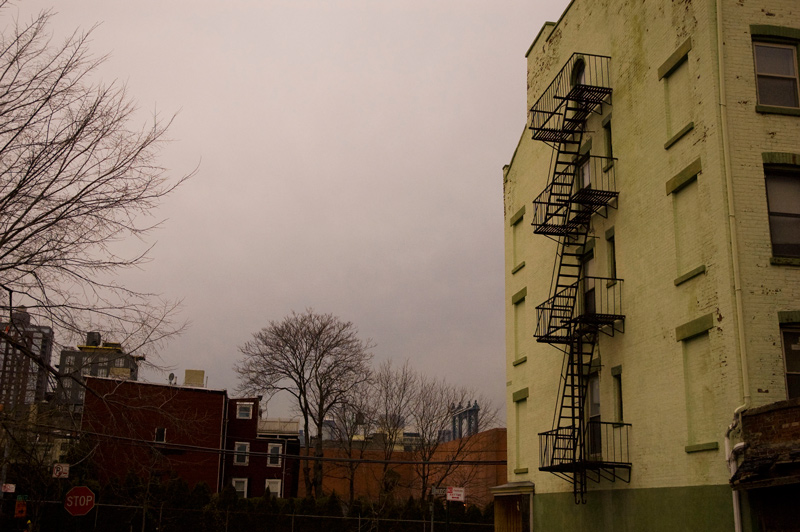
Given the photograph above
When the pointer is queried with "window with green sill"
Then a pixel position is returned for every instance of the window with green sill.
(777, 82)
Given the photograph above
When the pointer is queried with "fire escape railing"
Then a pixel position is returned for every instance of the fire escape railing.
(582, 188)
(607, 447)
(584, 79)
(580, 306)
(590, 301)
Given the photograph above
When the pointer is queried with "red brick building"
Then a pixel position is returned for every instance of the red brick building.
(488, 446)
(257, 449)
(195, 433)
(155, 429)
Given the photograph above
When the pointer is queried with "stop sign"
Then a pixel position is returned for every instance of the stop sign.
(79, 501)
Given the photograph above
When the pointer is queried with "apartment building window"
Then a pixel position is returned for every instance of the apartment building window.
(274, 486)
(241, 454)
(244, 411)
(616, 374)
(608, 139)
(588, 280)
(776, 74)
(274, 450)
(102, 372)
(611, 250)
(161, 434)
(240, 485)
(119, 362)
(783, 202)
(595, 446)
(790, 338)
(585, 173)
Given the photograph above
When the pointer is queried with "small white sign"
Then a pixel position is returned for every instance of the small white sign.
(455, 494)
(60, 470)
(9, 488)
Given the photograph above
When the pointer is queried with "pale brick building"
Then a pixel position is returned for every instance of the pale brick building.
(652, 236)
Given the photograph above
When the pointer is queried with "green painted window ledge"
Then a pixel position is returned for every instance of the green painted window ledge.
(785, 261)
(700, 447)
(518, 267)
(768, 109)
(695, 327)
(690, 275)
(519, 361)
(679, 135)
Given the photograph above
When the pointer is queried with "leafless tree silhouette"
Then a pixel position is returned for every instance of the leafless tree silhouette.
(318, 359)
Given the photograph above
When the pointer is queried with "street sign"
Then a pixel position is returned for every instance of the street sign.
(60, 470)
(9, 488)
(438, 492)
(455, 494)
(79, 501)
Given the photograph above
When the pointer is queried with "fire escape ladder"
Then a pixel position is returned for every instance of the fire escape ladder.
(579, 306)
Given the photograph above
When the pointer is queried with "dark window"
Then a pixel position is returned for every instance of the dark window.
(783, 201)
(790, 337)
(244, 411)
(274, 454)
(618, 397)
(593, 404)
(612, 258)
(776, 74)
(161, 434)
(587, 282)
(609, 143)
(242, 454)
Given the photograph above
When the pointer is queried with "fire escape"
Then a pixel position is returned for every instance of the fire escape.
(580, 306)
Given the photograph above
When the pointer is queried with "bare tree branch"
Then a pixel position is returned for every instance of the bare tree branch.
(75, 179)
(318, 359)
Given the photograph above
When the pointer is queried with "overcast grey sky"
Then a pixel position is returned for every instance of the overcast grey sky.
(350, 156)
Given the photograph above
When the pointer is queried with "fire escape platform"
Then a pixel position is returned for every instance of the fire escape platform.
(580, 306)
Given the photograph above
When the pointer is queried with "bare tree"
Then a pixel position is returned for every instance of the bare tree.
(353, 423)
(395, 388)
(431, 415)
(76, 178)
(318, 359)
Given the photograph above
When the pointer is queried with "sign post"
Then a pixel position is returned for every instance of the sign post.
(79, 501)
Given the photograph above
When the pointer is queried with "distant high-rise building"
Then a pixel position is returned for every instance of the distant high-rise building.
(25, 351)
(96, 358)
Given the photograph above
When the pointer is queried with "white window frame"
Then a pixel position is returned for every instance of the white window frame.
(274, 481)
(773, 75)
(119, 362)
(244, 407)
(270, 458)
(234, 481)
(241, 453)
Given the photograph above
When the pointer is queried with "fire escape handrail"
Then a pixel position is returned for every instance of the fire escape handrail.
(596, 75)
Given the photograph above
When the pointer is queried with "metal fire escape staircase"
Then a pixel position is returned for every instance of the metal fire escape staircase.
(579, 307)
